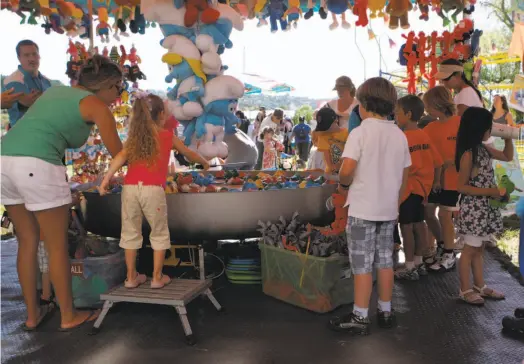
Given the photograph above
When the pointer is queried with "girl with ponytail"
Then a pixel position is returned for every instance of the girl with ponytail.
(451, 75)
(147, 152)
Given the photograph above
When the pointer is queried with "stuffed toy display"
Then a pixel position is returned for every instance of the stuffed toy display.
(321, 11)
(203, 99)
(338, 7)
(447, 6)
(376, 8)
(398, 11)
(293, 13)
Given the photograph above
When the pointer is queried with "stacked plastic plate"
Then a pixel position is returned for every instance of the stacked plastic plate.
(244, 271)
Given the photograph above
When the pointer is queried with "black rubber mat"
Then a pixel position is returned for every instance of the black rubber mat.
(433, 328)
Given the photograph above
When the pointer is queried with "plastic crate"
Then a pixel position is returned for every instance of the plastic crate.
(323, 287)
(94, 276)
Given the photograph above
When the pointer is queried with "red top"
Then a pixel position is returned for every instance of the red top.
(156, 174)
(171, 123)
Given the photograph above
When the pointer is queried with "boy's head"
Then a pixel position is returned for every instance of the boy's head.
(409, 108)
(377, 97)
(325, 118)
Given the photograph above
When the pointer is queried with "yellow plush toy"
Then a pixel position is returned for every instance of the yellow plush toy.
(376, 6)
(293, 13)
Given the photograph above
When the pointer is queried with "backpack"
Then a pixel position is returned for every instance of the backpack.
(302, 133)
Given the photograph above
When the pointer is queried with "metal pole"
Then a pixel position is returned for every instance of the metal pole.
(91, 26)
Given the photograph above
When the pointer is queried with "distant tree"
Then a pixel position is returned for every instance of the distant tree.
(306, 111)
(500, 9)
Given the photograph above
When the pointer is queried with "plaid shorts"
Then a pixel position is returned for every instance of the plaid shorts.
(43, 259)
(370, 244)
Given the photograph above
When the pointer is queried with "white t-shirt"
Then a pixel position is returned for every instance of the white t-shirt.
(343, 116)
(468, 97)
(381, 151)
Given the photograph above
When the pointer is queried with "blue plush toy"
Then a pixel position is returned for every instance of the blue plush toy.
(277, 8)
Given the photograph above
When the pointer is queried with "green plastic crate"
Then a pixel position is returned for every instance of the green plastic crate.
(94, 276)
(323, 289)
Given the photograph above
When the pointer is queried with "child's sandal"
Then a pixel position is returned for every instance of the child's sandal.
(471, 297)
(490, 293)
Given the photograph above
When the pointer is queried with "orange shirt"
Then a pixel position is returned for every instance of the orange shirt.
(424, 160)
(444, 138)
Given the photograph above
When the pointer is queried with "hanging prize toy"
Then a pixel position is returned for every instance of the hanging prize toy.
(114, 56)
(105, 52)
(133, 57)
(29, 6)
(102, 29)
(421, 50)
(433, 60)
(123, 55)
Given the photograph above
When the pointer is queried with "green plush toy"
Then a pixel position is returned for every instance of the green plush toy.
(506, 183)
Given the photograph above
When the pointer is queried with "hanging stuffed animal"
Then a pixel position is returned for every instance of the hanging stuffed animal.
(412, 77)
(220, 102)
(277, 8)
(448, 5)
(376, 8)
(321, 11)
(338, 7)
(30, 6)
(422, 42)
(103, 28)
(138, 22)
(194, 8)
(423, 6)
(360, 9)
(398, 11)
(293, 13)
(133, 58)
(433, 59)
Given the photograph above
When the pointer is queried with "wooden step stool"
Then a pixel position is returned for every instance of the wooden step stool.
(178, 294)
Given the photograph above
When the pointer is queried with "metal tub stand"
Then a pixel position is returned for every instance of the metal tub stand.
(178, 294)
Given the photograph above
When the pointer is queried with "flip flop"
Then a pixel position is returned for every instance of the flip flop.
(164, 281)
(46, 311)
(139, 279)
(90, 318)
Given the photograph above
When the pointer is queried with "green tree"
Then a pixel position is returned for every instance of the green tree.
(306, 111)
(500, 9)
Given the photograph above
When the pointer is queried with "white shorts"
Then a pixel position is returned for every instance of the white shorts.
(37, 184)
(474, 241)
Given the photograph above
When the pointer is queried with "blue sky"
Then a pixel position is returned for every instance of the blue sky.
(309, 58)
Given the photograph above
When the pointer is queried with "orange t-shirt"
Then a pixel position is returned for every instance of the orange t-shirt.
(424, 160)
(444, 138)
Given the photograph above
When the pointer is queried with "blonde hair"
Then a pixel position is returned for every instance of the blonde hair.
(142, 143)
(377, 95)
(440, 99)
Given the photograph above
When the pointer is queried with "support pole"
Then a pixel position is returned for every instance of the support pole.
(91, 26)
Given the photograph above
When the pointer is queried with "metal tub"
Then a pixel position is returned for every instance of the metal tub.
(215, 216)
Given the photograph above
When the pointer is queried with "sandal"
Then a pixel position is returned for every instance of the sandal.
(46, 311)
(93, 315)
(139, 279)
(164, 281)
(490, 293)
(471, 297)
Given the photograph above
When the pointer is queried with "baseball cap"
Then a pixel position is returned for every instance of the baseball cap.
(344, 81)
(325, 118)
(445, 71)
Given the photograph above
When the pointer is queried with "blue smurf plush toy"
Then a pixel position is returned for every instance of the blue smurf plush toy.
(220, 102)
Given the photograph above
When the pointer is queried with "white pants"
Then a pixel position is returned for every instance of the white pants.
(140, 201)
(37, 184)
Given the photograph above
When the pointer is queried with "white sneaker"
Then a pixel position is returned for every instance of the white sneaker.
(445, 264)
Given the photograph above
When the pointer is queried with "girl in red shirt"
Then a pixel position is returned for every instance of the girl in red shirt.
(147, 151)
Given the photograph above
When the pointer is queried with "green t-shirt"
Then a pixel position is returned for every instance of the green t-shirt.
(50, 126)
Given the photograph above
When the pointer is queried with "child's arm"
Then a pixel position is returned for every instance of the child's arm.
(438, 165)
(466, 166)
(179, 146)
(403, 185)
(350, 158)
(115, 165)
(505, 155)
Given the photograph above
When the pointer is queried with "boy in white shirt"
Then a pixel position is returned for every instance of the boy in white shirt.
(374, 172)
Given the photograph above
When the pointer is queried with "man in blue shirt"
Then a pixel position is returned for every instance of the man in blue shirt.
(26, 80)
(302, 135)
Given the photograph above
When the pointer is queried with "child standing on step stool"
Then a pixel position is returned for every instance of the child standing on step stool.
(147, 150)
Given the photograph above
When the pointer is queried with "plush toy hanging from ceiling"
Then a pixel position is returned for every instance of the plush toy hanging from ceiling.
(124, 14)
(446, 6)
(103, 27)
(398, 11)
(26, 6)
(338, 7)
(423, 6)
(376, 8)
(293, 13)
(360, 9)
(194, 8)
(321, 11)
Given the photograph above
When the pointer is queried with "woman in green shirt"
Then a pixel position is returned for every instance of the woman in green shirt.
(34, 187)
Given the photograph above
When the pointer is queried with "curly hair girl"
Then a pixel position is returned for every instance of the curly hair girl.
(142, 142)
